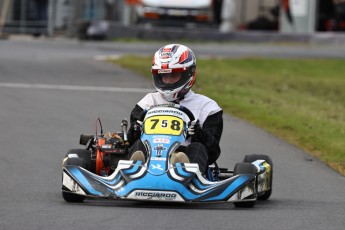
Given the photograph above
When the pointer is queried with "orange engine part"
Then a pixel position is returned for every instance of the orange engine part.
(99, 157)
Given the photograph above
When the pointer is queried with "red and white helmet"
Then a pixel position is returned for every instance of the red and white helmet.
(173, 59)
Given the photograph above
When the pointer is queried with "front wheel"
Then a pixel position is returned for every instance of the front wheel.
(76, 157)
(72, 198)
(245, 168)
(253, 157)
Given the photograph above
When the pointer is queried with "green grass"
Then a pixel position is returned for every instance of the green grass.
(301, 101)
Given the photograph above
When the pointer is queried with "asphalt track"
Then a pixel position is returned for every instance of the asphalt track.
(51, 91)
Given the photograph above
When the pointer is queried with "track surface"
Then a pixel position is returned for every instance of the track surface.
(51, 91)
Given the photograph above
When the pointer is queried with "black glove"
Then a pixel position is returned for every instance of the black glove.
(137, 129)
(138, 125)
(195, 131)
(193, 127)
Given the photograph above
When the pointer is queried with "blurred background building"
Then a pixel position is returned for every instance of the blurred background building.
(94, 18)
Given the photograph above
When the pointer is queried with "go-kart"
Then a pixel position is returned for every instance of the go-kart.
(101, 170)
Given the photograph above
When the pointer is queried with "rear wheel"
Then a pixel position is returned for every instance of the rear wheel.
(245, 168)
(76, 157)
(253, 157)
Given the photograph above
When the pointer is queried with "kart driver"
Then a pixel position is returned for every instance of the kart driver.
(174, 73)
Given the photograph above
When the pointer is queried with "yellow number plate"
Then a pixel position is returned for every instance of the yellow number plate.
(168, 125)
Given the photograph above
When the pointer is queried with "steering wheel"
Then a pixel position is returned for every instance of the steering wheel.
(176, 106)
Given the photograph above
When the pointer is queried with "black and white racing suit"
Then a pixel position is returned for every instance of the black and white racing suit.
(203, 148)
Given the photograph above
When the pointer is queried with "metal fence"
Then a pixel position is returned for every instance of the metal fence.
(20, 16)
(54, 16)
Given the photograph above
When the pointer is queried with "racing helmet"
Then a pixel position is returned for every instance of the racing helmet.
(178, 61)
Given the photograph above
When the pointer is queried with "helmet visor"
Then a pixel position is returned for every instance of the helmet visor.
(168, 79)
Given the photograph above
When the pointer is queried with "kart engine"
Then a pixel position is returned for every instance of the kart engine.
(106, 151)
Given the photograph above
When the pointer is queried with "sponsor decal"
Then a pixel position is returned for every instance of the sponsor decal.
(166, 54)
(161, 136)
(170, 111)
(164, 70)
(157, 166)
(159, 149)
(158, 158)
(161, 140)
(72, 155)
(156, 195)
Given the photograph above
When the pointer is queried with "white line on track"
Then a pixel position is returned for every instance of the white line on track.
(106, 57)
(75, 87)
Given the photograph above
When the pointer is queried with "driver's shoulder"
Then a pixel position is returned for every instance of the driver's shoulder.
(203, 101)
(151, 99)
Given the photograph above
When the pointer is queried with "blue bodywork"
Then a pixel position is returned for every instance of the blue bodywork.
(157, 178)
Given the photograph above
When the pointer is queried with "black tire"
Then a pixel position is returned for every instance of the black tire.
(83, 160)
(245, 168)
(83, 154)
(72, 198)
(253, 157)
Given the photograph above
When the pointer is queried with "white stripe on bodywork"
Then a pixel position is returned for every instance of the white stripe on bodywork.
(200, 191)
(174, 175)
(69, 183)
(141, 172)
(75, 87)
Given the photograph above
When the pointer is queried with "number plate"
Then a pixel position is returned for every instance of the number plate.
(167, 125)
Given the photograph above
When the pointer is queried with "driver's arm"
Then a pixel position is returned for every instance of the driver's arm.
(210, 135)
(132, 134)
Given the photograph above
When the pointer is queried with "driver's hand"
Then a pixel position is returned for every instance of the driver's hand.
(138, 125)
(137, 129)
(193, 127)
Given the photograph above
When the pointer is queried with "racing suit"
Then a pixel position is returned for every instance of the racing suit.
(203, 147)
